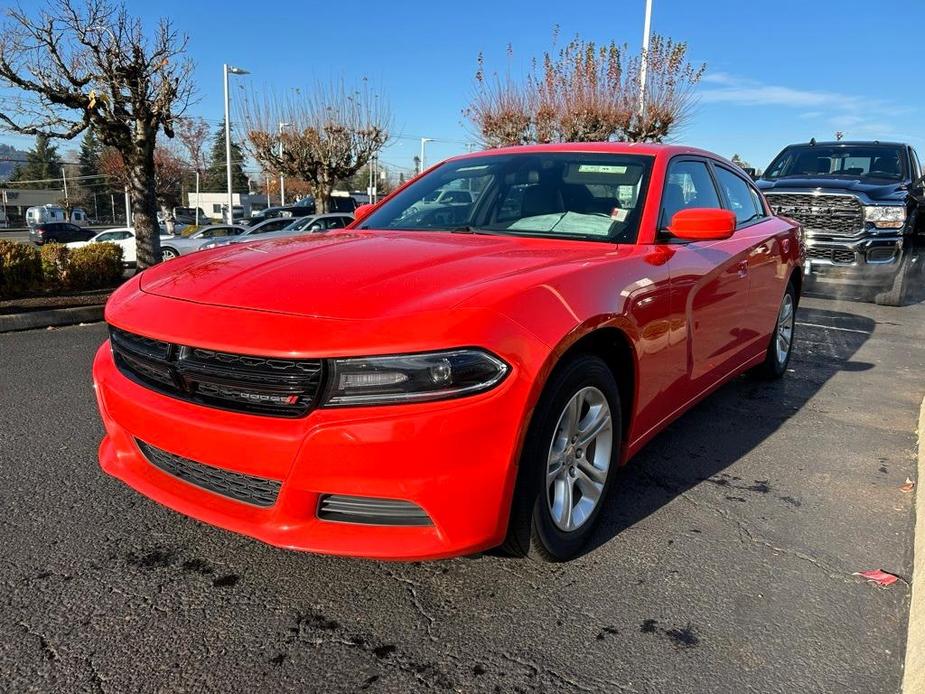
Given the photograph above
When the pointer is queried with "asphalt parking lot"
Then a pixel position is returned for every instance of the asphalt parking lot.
(723, 563)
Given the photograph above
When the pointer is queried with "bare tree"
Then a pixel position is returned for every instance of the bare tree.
(586, 93)
(169, 170)
(192, 134)
(94, 65)
(331, 133)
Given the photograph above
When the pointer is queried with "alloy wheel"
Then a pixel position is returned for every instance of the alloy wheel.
(785, 321)
(579, 459)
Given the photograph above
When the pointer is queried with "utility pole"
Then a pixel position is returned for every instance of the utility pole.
(644, 65)
(67, 205)
(197, 197)
(128, 209)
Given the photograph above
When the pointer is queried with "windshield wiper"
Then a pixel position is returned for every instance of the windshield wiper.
(476, 230)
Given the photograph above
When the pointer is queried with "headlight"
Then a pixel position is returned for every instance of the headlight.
(413, 377)
(885, 216)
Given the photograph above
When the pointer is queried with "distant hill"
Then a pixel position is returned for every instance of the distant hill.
(7, 153)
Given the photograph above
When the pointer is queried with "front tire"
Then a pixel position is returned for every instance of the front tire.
(569, 458)
(169, 253)
(895, 293)
(780, 348)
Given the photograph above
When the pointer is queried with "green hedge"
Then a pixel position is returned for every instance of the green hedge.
(20, 268)
(94, 266)
(25, 269)
(54, 263)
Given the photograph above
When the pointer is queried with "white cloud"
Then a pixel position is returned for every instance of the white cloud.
(857, 115)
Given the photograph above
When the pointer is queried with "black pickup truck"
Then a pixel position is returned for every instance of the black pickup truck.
(862, 207)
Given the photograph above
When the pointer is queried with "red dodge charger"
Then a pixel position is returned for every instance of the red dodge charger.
(465, 367)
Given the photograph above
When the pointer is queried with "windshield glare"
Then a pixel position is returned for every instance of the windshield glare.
(577, 195)
(853, 161)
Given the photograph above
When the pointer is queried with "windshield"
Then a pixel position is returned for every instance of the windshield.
(577, 195)
(846, 161)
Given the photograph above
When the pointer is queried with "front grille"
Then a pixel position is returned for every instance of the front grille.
(838, 256)
(238, 382)
(256, 491)
(369, 510)
(832, 215)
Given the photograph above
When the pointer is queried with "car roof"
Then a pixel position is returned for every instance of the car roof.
(644, 148)
(849, 143)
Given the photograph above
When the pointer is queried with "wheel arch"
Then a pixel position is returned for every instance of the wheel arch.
(613, 344)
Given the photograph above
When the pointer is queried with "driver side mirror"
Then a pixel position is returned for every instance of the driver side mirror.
(362, 211)
(703, 224)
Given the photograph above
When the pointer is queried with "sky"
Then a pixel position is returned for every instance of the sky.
(776, 72)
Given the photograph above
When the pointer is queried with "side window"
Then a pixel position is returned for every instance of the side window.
(742, 201)
(688, 185)
(110, 236)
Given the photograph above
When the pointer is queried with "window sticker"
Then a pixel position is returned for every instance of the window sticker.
(601, 168)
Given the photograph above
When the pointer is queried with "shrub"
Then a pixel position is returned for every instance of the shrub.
(94, 266)
(20, 268)
(54, 263)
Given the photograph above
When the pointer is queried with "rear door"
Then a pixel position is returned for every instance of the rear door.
(709, 279)
(758, 232)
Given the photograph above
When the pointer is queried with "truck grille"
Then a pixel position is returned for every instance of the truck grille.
(238, 382)
(257, 491)
(838, 256)
(831, 215)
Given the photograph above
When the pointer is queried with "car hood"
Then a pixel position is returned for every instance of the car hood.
(873, 190)
(363, 274)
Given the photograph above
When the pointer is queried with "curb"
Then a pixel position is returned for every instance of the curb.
(44, 319)
(914, 675)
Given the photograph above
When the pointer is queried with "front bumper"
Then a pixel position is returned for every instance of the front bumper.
(455, 459)
(868, 260)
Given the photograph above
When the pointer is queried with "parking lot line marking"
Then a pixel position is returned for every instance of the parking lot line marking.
(832, 327)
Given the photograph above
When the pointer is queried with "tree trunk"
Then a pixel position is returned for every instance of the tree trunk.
(322, 193)
(144, 208)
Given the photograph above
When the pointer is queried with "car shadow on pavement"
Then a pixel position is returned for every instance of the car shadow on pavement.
(698, 447)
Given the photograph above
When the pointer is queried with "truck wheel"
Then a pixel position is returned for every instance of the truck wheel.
(895, 293)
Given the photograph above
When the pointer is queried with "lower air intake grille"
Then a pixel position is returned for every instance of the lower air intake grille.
(363, 509)
(257, 491)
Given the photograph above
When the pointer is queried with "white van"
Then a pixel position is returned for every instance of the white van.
(44, 214)
(79, 217)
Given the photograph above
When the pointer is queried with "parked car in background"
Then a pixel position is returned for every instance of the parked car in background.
(301, 225)
(305, 207)
(249, 233)
(471, 380)
(124, 237)
(177, 245)
(187, 215)
(862, 207)
(58, 232)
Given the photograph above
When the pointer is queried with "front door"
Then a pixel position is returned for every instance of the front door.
(709, 280)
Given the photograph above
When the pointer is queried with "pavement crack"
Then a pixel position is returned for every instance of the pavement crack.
(48, 651)
(746, 532)
(537, 670)
(412, 589)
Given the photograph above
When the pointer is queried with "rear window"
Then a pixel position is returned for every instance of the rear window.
(887, 162)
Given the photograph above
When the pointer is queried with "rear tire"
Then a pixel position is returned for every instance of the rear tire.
(169, 253)
(565, 467)
(780, 348)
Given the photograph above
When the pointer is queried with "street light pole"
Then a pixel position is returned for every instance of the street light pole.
(197, 198)
(282, 178)
(229, 69)
(424, 141)
(643, 67)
